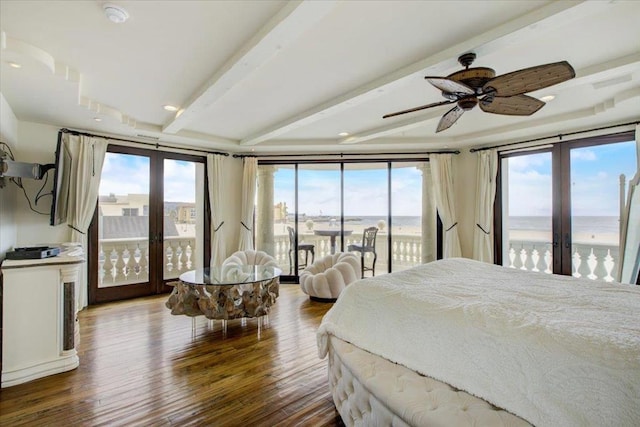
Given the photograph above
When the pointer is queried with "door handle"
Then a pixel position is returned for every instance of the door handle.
(567, 241)
(556, 237)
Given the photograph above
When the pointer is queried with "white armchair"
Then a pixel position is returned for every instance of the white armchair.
(327, 277)
(250, 257)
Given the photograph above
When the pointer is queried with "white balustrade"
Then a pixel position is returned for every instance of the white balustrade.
(406, 251)
(126, 261)
(593, 261)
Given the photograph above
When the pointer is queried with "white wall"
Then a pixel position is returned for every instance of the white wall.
(8, 135)
(38, 145)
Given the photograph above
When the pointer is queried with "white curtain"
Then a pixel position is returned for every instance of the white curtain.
(442, 176)
(485, 196)
(249, 176)
(215, 164)
(87, 155)
(630, 227)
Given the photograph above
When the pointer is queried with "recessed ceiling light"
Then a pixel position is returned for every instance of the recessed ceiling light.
(116, 14)
(547, 98)
(343, 134)
(170, 107)
(14, 64)
(97, 119)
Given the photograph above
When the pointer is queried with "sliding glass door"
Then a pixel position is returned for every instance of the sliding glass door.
(366, 205)
(149, 224)
(412, 218)
(307, 210)
(560, 206)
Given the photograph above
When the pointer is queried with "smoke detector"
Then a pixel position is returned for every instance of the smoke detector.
(115, 13)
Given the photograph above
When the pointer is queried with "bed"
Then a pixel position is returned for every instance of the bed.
(459, 342)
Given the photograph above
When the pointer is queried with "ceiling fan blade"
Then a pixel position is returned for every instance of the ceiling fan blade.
(411, 110)
(450, 86)
(530, 79)
(449, 118)
(518, 105)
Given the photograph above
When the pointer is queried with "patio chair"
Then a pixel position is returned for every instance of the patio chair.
(368, 244)
(302, 246)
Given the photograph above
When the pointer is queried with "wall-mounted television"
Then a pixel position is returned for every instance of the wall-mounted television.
(61, 179)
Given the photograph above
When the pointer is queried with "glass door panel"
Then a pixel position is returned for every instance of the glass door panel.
(527, 212)
(406, 216)
(183, 217)
(366, 204)
(275, 212)
(319, 208)
(149, 225)
(595, 207)
(123, 220)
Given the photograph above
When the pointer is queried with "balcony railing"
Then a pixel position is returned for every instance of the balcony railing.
(126, 261)
(593, 261)
(406, 250)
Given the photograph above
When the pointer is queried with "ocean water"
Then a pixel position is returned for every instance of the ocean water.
(580, 224)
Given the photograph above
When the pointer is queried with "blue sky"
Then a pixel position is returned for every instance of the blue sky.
(595, 175)
(127, 174)
(365, 190)
(595, 172)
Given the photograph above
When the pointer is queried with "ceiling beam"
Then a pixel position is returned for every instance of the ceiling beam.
(589, 75)
(286, 26)
(519, 29)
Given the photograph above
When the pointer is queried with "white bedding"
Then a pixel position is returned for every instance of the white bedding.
(554, 350)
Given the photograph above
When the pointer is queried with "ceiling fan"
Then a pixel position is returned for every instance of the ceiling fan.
(498, 95)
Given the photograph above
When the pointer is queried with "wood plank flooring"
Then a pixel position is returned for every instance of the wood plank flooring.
(139, 365)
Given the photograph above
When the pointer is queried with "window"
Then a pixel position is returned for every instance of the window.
(328, 205)
(129, 211)
(134, 255)
(558, 209)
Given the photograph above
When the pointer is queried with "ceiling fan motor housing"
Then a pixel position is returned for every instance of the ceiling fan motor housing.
(473, 77)
(468, 103)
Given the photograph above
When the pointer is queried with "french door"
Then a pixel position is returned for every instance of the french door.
(558, 208)
(150, 223)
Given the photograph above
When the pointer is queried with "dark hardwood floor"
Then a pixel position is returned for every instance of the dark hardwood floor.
(139, 365)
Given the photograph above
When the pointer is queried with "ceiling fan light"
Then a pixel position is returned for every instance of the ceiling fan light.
(115, 13)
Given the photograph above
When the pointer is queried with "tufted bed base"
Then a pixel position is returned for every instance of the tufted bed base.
(371, 391)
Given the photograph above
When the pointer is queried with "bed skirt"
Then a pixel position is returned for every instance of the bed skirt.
(371, 391)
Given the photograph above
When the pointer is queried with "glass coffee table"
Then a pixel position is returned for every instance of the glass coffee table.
(226, 292)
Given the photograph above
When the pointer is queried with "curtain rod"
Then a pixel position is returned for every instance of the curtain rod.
(560, 136)
(346, 154)
(156, 145)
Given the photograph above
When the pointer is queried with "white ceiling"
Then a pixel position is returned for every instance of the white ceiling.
(274, 76)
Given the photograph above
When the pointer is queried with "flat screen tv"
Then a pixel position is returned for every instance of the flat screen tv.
(61, 180)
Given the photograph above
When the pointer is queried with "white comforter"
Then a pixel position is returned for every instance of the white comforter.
(554, 350)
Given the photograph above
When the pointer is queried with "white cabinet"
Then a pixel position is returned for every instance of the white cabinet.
(39, 329)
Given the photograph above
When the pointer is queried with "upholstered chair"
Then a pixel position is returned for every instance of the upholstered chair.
(325, 279)
(250, 257)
